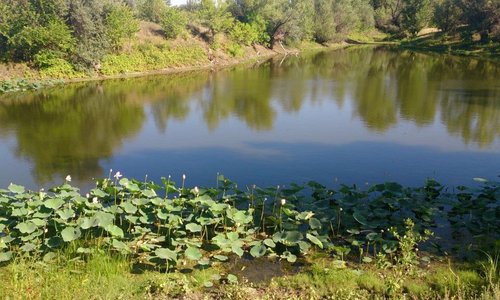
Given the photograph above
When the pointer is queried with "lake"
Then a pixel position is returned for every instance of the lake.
(359, 115)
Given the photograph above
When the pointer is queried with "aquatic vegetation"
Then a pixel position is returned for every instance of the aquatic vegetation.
(165, 226)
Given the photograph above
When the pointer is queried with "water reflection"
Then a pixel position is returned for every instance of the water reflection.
(71, 130)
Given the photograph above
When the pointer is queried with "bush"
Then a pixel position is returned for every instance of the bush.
(173, 22)
(447, 15)
(152, 57)
(152, 10)
(120, 25)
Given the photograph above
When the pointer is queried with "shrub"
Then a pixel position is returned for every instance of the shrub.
(120, 25)
(173, 22)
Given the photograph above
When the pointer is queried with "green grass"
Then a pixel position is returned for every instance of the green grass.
(453, 44)
(103, 275)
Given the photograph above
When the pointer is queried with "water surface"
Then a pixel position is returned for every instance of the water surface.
(359, 115)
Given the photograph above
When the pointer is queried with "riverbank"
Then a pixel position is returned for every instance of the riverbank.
(151, 54)
(132, 239)
(458, 43)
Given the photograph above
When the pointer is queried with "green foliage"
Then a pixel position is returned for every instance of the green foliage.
(447, 15)
(173, 22)
(152, 57)
(249, 33)
(416, 15)
(482, 16)
(216, 18)
(120, 25)
(18, 85)
(152, 10)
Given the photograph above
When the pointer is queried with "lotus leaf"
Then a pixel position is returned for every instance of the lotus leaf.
(314, 240)
(314, 223)
(270, 243)
(167, 254)
(115, 231)
(16, 189)
(70, 234)
(26, 227)
(232, 278)
(193, 227)
(258, 250)
(5, 256)
(54, 203)
(237, 250)
(28, 247)
(66, 214)
(221, 257)
(192, 253)
(54, 242)
(120, 246)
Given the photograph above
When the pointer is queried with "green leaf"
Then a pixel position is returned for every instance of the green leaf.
(82, 250)
(66, 213)
(54, 242)
(26, 227)
(39, 222)
(289, 256)
(50, 256)
(192, 253)
(237, 250)
(367, 259)
(149, 193)
(120, 246)
(314, 240)
(358, 216)
(233, 236)
(314, 224)
(293, 237)
(70, 234)
(232, 278)
(129, 208)
(270, 243)
(88, 223)
(167, 254)
(193, 227)
(258, 250)
(115, 231)
(28, 247)
(5, 256)
(54, 203)
(221, 257)
(16, 189)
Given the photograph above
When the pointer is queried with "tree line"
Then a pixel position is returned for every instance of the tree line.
(79, 33)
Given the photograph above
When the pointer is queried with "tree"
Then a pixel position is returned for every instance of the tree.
(120, 25)
(215, 17)
(324, 23)
(447, 15)
(416, 14)
(388, 14)
(152, 10)
(87, 19)
(173, 22)
(481, 15)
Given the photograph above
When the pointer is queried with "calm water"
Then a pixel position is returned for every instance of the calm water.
(359, 115)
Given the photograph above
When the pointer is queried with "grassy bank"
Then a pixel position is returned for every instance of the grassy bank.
(462, 43)
(129, 239)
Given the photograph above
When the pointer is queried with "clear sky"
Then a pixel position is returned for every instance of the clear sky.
(177, 2)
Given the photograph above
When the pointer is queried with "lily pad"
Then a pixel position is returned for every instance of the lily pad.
(193, 253)
(70, 234)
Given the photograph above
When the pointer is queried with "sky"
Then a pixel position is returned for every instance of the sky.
(177, 2)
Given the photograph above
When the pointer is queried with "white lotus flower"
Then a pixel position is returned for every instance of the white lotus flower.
(118, 175)
(68, 178)
(283, 202)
